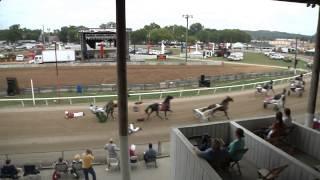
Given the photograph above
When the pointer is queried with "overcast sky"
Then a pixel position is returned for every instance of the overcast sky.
(218, 14)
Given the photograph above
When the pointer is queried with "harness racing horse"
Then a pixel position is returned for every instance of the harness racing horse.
(109, 108)
(223, 106)
(156, 107)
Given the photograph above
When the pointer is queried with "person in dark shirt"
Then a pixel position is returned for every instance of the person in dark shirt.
(205, 143)
(150, 154)
(9, 170)
(215, 155)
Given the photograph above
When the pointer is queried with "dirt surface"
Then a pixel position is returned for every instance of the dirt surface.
(42, 129)
(103, 74)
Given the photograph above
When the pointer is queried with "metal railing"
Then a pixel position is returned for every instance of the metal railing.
(45, 159)
(180, 93)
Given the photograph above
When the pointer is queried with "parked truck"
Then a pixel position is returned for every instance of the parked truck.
(49, 56)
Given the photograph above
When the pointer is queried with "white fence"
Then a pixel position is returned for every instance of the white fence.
(161, 94)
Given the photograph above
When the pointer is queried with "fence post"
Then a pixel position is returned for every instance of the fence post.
(94, 100)
(159, 148)
(214, 90)
(70, 100)
(242, 87)
(139, 97)
(180, 93)
(229, 89)
(47, 102)
(161, 95)
(199, 92)
(22, 103)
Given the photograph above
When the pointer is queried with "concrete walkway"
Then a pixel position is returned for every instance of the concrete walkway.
(137, 173)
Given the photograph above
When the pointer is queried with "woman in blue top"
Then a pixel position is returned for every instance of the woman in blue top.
(236, 145)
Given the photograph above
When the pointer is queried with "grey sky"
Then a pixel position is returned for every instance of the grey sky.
(218, 14)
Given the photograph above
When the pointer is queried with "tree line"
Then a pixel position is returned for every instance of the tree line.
(152, 33)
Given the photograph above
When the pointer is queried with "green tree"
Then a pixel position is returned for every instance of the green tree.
(195, 28)
(138, 36)
(14, 33)
(178, 32)
(151, 27)
(157, 35)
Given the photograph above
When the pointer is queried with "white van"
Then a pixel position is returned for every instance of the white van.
(19, 57)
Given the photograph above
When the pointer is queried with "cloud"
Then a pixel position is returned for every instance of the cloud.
(232, 14)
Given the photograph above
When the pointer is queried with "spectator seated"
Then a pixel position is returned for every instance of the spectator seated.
(30, 170)
(151, 162)
(9, 171)
(239, 154)
(150, 156)
(76, 166)
(203, 142)
(134, 161)
(61, 166)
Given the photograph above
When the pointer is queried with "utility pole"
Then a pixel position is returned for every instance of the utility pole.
(187, 16)
(43, 36)
(312, 102)
(295, 57)
(122, 87)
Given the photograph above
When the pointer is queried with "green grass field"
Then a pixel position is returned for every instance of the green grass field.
(258, 58)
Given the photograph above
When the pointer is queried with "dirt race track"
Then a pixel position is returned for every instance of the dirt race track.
(103, 74)
(45, 129)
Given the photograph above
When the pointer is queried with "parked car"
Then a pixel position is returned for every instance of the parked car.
(276, 56)
(234, 57)
(19, 57)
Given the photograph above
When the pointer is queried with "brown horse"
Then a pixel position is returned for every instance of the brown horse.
(156, 107)
(109, 108)
(223, 106)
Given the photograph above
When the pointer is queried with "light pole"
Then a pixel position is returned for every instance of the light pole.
(57, 72)
(187, 16)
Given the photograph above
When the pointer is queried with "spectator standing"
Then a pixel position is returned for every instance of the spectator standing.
(87, 165)
(111, 149)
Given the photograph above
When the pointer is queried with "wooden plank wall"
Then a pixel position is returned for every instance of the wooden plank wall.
(186, 165)
(264, 155)
(306, 140)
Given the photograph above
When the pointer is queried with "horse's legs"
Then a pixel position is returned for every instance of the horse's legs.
(226, 113)
(148, 115)
(111, 114)
(165, 115)
(157, 112)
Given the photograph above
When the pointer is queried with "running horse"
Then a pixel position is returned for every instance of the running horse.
(109, 108)
(223, 106)
(156, 107)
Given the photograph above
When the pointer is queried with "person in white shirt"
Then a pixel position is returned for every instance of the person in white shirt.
(287, 119)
